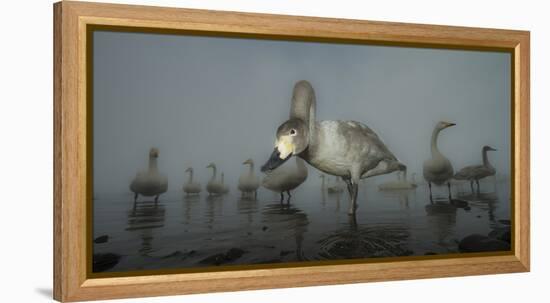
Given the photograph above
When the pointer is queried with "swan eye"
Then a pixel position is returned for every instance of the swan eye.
(293, 132)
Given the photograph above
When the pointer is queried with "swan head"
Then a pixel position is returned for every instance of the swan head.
(211, 165)
(154, 153)
(487, 147)
(443, 125)
(292, 139)
(249, 161)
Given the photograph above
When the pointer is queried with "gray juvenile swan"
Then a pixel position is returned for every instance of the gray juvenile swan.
(248, 181)
(438, 169)
(191, 188)
(214, 187)
(347, 149)
(477, 172)
(285, 179)
(151, 182)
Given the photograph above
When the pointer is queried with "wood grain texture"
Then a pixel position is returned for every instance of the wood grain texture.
(71, 117)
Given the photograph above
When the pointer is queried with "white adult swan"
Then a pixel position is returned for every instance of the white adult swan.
(477, 172)
(284, 179)
(214, 187)
(438, 169)
(191, 188)
(248, 181)
(151, 182)
(347, 149)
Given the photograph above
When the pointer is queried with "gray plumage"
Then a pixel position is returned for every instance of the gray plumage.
(477, 172)
(346, 149)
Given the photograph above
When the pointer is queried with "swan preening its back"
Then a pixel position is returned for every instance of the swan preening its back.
(191, 187)
(438, 169)
(477, 172)
(347, 149)
(249, 182)
(149, 183)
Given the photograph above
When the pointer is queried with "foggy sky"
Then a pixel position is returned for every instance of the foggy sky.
(206, 99)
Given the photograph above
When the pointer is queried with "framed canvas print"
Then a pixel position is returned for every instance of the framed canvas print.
(201, 151)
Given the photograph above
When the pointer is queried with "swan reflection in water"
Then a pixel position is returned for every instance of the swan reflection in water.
(284, 222)
(143, 218)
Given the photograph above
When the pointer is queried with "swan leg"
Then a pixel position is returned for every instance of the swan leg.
(449, 187)
(472, 185)
(156, 198)
(282, 197)
(477, 183)
(352, 190)
(135, 197)
(430, 187)
(288, 200)
(255, 194)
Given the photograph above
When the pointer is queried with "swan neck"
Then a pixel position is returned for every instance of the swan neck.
(153, 164)
(303, 106)
(435, 150)
(214, 172)
(300, 164)
(486, 162)
(251, 168)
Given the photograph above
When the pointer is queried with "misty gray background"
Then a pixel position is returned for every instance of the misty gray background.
(206, 99)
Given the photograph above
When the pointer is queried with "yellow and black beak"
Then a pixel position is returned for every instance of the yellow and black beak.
(274, 161)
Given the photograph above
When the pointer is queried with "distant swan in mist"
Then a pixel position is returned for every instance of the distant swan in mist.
(477, 172)
(214, 187)
(438, 169)
(336, 187)
(151, 182)
(347, 149)
(400, 183)
(248, 181)
(191, 187)
(225, 188)
(285, 179)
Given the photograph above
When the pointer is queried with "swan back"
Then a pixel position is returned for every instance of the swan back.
(286, 178)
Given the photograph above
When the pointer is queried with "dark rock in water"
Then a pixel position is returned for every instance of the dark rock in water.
(105, 261)
(429, 253)
(478, 216)
(459, 203)
(264, 228)
(480, 243)
(467, 208)
(501, 234)
(179, 254)
(505, 222)
(234, 254)
(218, 259)
(285, 252)
(101, 239)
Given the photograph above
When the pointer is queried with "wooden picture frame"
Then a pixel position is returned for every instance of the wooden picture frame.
(72, 20)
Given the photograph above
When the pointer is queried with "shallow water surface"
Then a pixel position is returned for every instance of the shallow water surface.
(196, 231)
